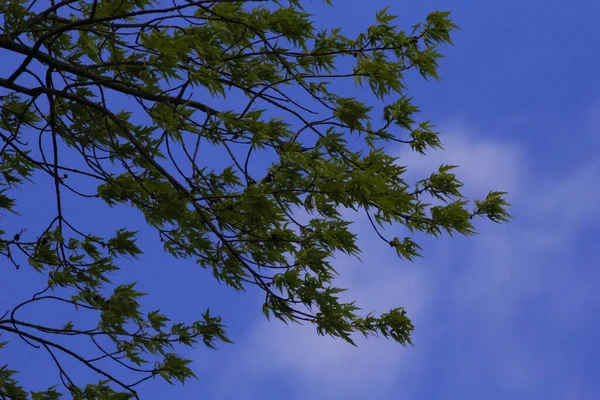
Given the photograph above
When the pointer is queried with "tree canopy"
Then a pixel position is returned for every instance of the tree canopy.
(122, 100)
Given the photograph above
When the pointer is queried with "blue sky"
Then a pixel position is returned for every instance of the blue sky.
(509, 314)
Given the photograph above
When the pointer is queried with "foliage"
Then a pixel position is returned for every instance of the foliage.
(78, 56)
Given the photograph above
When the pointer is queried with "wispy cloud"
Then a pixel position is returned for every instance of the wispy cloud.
(516, 286)
(472, 299)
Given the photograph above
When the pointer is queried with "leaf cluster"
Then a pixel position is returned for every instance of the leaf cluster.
(278, 231)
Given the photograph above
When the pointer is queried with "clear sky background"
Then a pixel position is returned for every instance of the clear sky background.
(510, 314)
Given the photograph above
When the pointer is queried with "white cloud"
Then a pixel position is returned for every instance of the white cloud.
(474, 287)
(525, 277)
(483, 164)
(381, 283)
(571, 201)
